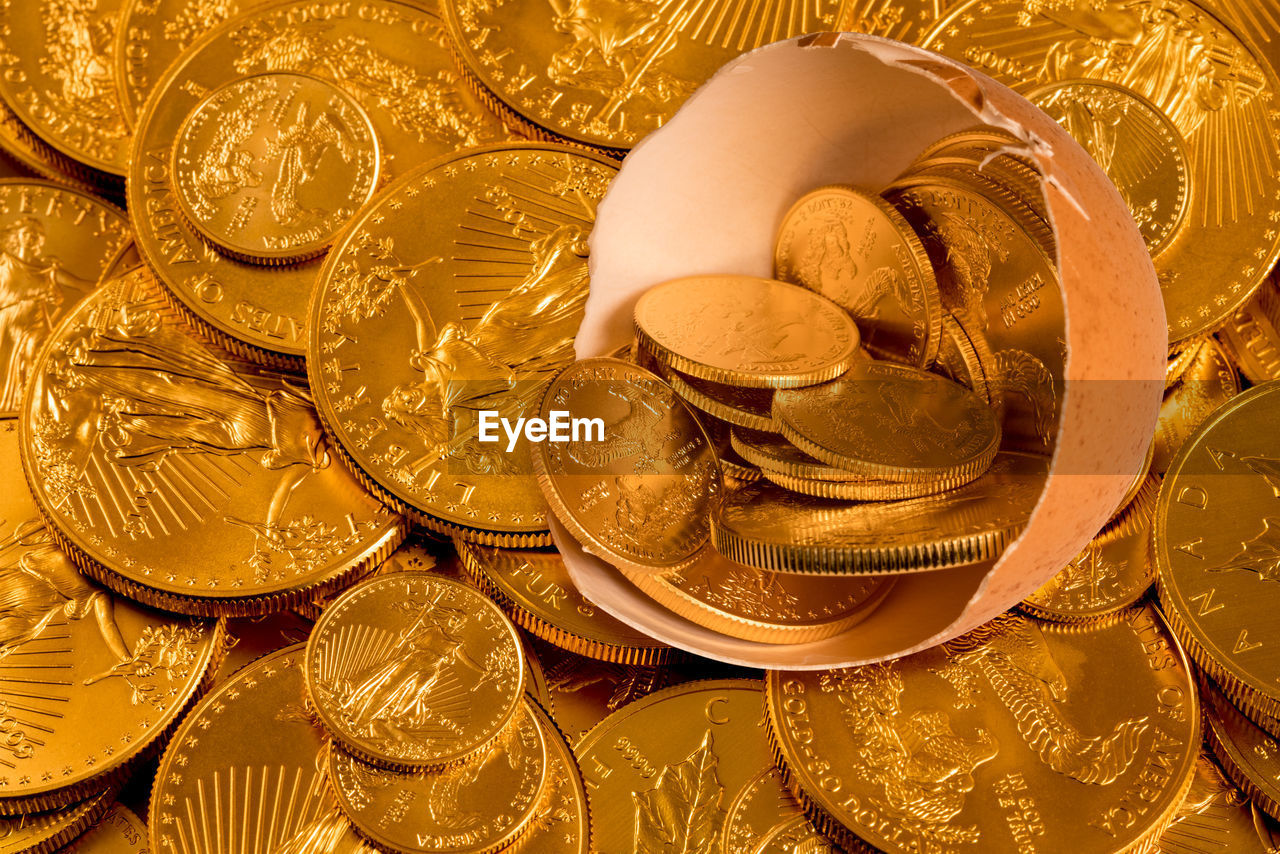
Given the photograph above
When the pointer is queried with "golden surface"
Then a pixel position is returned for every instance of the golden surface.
(270, 167)
(857, 250)
(31, 156)
(585, 691)
(89, 680)
(1020, 734)
(249, 759)
(535, 590)
(1207, 86)
(477, 807)
(117, 832)
(414, 330)
(742, 407)
(761, 808)
(964, 357)
(390, 57)
(44, 832)
(770, 528)
(1252, 335)
(410, 670)
(662, 772)
(1209, 381)
(892, 422)
(766, 334)
(642, 495)
(1248, 754)
(562, 823)
(186, 477)
(1213, 546)
(55, 244)
(1214, 818)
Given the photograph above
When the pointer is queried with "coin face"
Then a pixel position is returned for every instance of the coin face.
(534, 588)
(893, 422)
(857, 250)
(1219, 104)
(761, 807)
(1252, 335)
(562, 824)
(1209, 381)
(117, 832)
(55, 244)
(250, 760)
(1214, 816)
(183, 475)
(89, 680)
(639, 491)
(695, 745)
(1062, 738)
(772, 528)
(270, 167)
(1249, 755)
(478, 806)
(766, 334)
(585, 691)
(411, 670)
(1213, 532)
(388, 56)
(415, 331)
(60, 78)
(30, 153)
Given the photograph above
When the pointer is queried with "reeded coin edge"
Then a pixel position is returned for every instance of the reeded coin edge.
(716, 408)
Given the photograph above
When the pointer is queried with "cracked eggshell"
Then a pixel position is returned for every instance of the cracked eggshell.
(706, 194)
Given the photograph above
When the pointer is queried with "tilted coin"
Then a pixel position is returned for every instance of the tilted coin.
(416, 331)
(476, 807)
(1252, 335)
(964, 356)
(40, 833)
(605, 75)
(857, 250)
(117, 832)
(1214, 534)
(733, 467)
(1180, 359)
(248, 763)
(535, 590)
(1249, 755)
(89, 681)
(183, 476)
(1018, 735)
(892, 422)
(59, 78)
(1207, 86)
(998, 280)
(741, 407)
(761, 808)
(771, 528)
(55, 244)
(562, 823)
(389, 56)
(1209, 381)
(753, 604)
(998, 156)
(645, 765)
(410, 670)
(29, 153)
(640, 490)
(766, 334)
(584, 691)
(270, 167)
(1214, 817)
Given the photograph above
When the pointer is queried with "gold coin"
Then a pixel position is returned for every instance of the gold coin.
(741, 407)
(535, 590)
(270, 167)
(59, 78)
(964, 357)
(152, 34)
(416, 554)
(770, 528)
(1016, 736)
(249, 762)
(757, 605)
(183, 476)
(797, 836)
(117, 832)
(605, 76)
(28, 152)
(766, 334)
(857, 250)
(410, 670)
(584, 691)
(389, 56)
(477, 807)
(1207, 383)
(1205, 86)
(640, 492)
(1252, 335)
(416, 330)
(733, 467)
(89, 681)
(1142, 492)
(44, 832)
(1257, 21)
(692, 745)
(760, 808)
(1213, 534)
(250, 638)
(1248, 754)
(562, 824)
(1181, 357)
(1214, 817)
(55, 244)
(891, 422)
(1112, 573)
(996, 156)
(997, 279)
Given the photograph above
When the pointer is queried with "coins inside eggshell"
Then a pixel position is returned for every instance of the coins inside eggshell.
(411, 670)
(268, 168)
(964, 357)
(767, 334)
(640, 489)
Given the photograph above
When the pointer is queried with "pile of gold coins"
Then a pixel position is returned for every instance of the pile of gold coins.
(271, 582)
